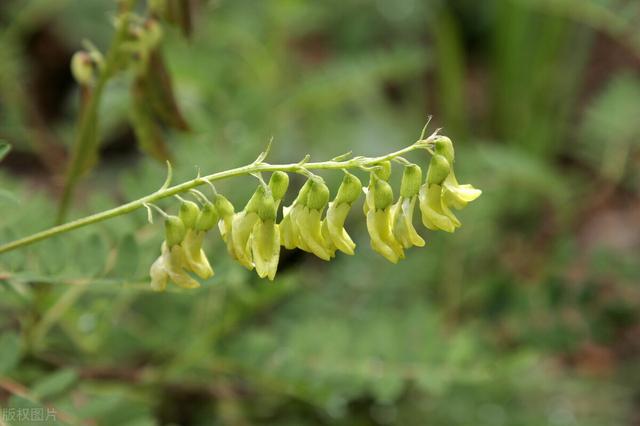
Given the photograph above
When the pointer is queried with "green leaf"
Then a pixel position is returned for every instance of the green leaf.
(610, 130)
(10, 351)
(91, 255)
(54, 384)
(128, 258)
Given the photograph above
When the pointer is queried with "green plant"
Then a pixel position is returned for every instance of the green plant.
(136, 47)
(253, 237)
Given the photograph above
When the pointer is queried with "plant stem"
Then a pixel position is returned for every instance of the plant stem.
(303, 168)
(86, 143)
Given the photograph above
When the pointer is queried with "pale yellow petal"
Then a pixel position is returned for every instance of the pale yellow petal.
(176, 264)
(158, 273)
(242, 226)
(265, 246)
(431, 207)
(309, 226)
(403, 228)
(335, 218)
(288, 233)
(382, 240)
(196, 259)
(458, 195)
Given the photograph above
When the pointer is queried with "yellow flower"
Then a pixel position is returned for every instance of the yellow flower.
(403, 228)
(265, 240)
(242, 225)
(288, 231)
(455, 194)
(378, 209)
(333, 229)
(435, 212)
(289, 234)
(225, 224)
(308, 220)
(197, 222)
(196, 259)
(301, 226)
(402, 213)
(171, 266)
(172, 263)
(244, 222)
(333, 225)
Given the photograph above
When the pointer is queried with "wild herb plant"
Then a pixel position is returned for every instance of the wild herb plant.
(253, 235)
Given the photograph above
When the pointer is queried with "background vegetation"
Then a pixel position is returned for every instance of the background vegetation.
(529, 315)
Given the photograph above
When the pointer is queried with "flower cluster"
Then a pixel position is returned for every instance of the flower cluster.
(312, 222)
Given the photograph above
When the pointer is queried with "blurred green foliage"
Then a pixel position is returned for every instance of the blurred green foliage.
(526, 316)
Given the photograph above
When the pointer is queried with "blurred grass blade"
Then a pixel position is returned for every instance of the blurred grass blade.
(10, 352)
(4, 149)
(450, 69)
(54, 383)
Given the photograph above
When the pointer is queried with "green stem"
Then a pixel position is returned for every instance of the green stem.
(86, 143)
(303, 168)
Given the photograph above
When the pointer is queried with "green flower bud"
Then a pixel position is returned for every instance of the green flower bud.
(439, 169)
(207, 218)
(223, 206)
(279, 183)
(257, 199)
(303, 195)
(444, 147)
(189, 212)
(382, 194)
(82, 68)
(349, 189)
(411, 181)
(383, 170)
(318, 196)
(267, 208)
(174, 230)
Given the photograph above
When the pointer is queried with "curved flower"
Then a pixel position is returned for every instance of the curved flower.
(171, 266)
(403, 229)
(455, 194)
(378, 209)
(309, 224)
(402, 213)
(172, 263)
(289, 235)
(265, 240)
(244, 222)
(195, 257)
(242, 225)
(333, 229)
(225, 224)
(333, 225)
(435, 212)
(197, 222)
(301, 226)
(308, 220)
(288, 231)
